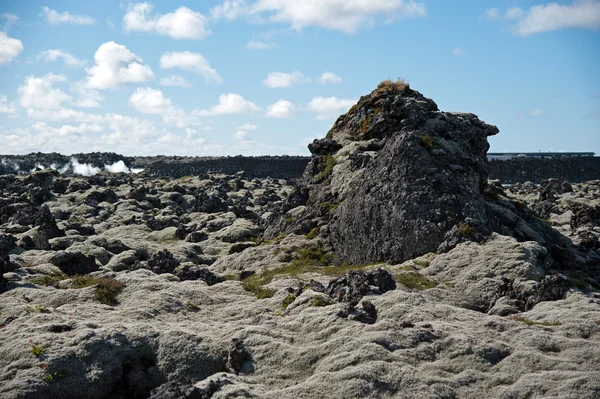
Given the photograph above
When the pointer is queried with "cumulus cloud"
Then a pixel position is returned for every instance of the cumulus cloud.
(241, 135)
(175, 80)
(5, 106)
(278, 80)
(329, 78)
(86, 97)
(10, 48)
(67, 130)
(192, 62)
(257, 45)
(62, 115)
(458, 52)
(115, 64)
(57, 18)
(584, 14)
(281, 109)
(342, 15)
(329, 107)
(229, 103)
(39, 93)
(183, 23)
(229, 10)
(53, 55)
(151, 101)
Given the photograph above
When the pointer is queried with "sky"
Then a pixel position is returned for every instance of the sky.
(266, 77)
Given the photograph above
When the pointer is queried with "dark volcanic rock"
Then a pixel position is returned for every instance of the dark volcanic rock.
(73, 263)
(159, 263)
(7, 243)
(196, 273)
(47, 229)
(356, 284)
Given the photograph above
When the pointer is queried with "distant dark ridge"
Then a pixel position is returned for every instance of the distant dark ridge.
(286, 167)
(518, 170)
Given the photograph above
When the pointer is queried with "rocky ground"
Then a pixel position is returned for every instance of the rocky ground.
(430, 282)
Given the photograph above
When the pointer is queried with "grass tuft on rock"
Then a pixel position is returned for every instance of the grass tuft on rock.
(312, 234)
(50, 279)
(329, 164)
(254, 286)
(400, 85)
(414, 280)
(289, 299)
(107, 291)
(37, 350)
(429, 142)
(321, 300)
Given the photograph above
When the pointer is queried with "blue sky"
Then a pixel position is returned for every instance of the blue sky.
(259, 77)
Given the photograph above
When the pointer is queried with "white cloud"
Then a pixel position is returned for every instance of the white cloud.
(248, 126)
(537, 112)
(151, 101)
(183, 23)
(514, 13)
(175, 80)
(5, 106)
(329, 107)
(62, 115)
(256, 45)
(492, 13)
(68, 59)
(10, 20)
(115, 64)
(458, 52)
(229, 10)
(192, 62)
(57, 18)
(281, 109)
(39, 93)
(241, 135)
(67, 130)
(87, 98)
(341, 15)
(329, 78)
(278, 80)
(584, 14)
(229, 103)
(10, 48)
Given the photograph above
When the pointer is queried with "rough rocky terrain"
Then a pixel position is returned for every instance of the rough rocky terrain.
(394, 268)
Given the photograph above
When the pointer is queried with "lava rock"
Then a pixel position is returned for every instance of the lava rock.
(355, 285)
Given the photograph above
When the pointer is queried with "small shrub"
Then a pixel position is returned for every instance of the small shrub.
(429, 142)
(37, 350)
(107, 291)
(288, 220)
(414, 280)
(79, 282)
(251, 285)
(312, 234)
(288, 301)
(329, 164)
(364, 127)
(321, 300)
(536, 323)
(51, 279)
(421, 263)
(465, 231)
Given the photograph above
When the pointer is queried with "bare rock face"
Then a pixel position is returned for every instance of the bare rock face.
(395, 177)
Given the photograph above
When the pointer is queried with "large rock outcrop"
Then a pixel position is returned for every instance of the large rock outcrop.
(397, 178)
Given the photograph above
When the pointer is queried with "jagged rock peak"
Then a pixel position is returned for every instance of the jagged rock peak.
(396, 178)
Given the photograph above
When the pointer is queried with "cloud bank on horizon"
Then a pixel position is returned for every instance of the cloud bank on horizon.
(264, 77)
